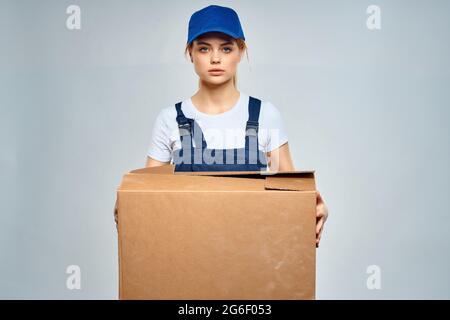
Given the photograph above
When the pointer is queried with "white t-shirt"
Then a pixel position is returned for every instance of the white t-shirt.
(221, 131)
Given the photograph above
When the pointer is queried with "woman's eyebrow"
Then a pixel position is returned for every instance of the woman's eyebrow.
(208, 44)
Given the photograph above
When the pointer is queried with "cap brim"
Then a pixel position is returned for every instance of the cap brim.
(227, 32)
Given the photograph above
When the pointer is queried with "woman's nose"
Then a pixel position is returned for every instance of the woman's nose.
(215, 58)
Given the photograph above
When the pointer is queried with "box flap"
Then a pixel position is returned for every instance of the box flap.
(170, 182)
(163, 178)
(170, 169)
(298, 182)
(164, 169)
(299, 173)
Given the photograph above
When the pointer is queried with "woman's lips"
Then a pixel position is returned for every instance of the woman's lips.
(216, 72)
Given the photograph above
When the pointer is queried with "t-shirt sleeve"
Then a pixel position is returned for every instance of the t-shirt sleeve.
(159, 148)
(277, 134)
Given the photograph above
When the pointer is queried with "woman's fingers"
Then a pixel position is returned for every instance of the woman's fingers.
(319, 225)
(320, 232)
(318, 237)
(318, 197)
(321, 217)
(319, 212)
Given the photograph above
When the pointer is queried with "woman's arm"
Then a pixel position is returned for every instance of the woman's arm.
(154, 163)
(280, 159)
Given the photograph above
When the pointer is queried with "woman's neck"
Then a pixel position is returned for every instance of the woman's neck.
(215, 99)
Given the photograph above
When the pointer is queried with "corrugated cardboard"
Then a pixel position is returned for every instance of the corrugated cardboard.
(216, 235)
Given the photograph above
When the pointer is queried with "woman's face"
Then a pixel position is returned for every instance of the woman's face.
(215, 50)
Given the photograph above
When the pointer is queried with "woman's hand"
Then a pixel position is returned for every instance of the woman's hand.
(321, 217)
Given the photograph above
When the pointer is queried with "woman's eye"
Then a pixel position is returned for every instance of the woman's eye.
(204, 49)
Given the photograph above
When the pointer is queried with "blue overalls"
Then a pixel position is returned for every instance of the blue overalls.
(201, 158)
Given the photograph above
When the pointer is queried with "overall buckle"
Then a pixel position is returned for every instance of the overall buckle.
(185, 129)
(251, 129)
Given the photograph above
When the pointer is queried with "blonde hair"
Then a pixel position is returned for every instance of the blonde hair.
(240, 43)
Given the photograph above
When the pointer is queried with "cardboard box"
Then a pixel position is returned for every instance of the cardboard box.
(216, 235)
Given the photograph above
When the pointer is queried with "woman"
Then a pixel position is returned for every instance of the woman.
(202, 125)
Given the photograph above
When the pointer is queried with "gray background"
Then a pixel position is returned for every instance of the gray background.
(368, 110)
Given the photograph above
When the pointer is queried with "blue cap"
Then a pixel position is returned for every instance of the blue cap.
(215, 18)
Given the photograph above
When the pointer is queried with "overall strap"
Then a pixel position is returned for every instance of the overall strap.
(183, 124)
(185, 129)
(188, 129)
(251, 130)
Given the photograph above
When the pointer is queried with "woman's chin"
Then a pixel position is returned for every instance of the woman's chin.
(216, 80)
